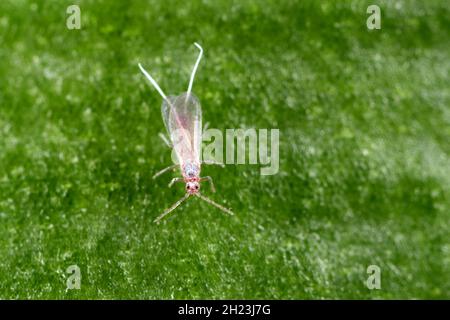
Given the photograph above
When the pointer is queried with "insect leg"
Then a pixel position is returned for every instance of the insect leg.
(213, 162)
(166, 141)
(165, 170)
(210, 180)
(175, 180)
(173, 207)
(214, 204)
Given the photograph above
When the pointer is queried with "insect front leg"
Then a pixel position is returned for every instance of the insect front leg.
(165, 170)
(175, 180)
(210, 180)
(213, 162)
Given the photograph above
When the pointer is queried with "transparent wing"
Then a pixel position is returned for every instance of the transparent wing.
(183, 120)
(165, 109)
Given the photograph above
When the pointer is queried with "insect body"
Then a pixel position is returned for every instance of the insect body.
(191, 175)
(182, 117)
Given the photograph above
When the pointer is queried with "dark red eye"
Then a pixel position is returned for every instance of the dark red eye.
(196, 187)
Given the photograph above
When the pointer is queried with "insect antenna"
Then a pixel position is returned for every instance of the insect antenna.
(215, 204)
(173, 207)
(194, 70)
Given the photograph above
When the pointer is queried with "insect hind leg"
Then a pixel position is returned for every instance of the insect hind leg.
(166, 141)
(164, 170)
(213, 162)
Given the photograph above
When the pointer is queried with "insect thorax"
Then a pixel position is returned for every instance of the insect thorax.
(191, 170)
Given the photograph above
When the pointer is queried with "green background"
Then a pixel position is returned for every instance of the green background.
(364, 174)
